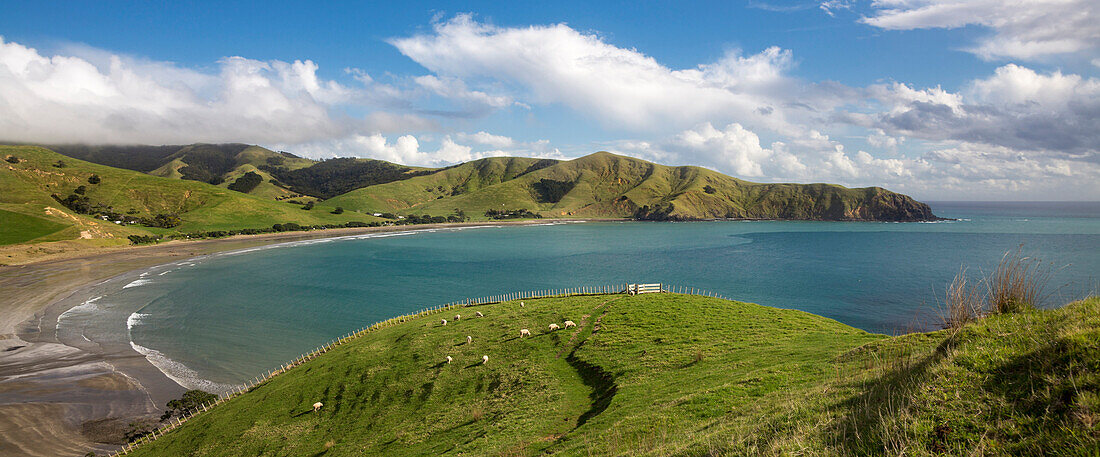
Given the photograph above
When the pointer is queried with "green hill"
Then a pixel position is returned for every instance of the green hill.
(604, 185)
(31, 176)
(222, 164)
(668, 374)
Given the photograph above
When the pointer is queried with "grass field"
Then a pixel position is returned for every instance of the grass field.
(667, 374)
(21, 228)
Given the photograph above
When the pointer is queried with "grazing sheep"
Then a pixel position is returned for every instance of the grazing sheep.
(554, 327)
(524, 332)
(570, 324)
(458, 316)
(478, 314)
(469, 339)
(449, 359)
(317, 406)
(521, 304)
(484, 359)
(444, 321)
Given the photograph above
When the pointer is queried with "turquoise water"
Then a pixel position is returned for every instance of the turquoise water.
(227, 318)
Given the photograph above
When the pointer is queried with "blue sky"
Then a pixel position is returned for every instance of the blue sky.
(942, 99)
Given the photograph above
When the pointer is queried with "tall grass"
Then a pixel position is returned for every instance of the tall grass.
(964, 302)
(1017, 284)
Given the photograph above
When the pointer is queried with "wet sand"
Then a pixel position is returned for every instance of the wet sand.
(59, 400)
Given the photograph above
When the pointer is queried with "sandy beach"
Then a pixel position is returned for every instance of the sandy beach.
(60, 399)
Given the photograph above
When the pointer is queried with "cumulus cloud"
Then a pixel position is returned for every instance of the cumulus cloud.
(1016, 107)
(107, 98)
(1025, 29)
(621, 87)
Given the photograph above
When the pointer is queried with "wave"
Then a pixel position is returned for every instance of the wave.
(86, 307)
(137, 283)
(178, 372)
(133, 320)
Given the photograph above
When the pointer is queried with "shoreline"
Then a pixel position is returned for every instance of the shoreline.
(58, 398)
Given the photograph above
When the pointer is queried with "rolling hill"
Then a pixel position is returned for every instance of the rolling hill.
(31, 176)
(669, 374)
(605, 185)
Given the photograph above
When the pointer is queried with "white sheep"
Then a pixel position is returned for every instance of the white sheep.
(478, 314)
(458, 316)
(469, 339)
(484, 359)
(524, 332)
(444, 321)
(521, 304)
(317, 406)
(570, 324)
(554, 327)
(449, 359)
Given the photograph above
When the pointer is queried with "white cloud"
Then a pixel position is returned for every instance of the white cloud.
(455, 89)
(101, 97)
(486, 138)
(1024, 29)
(409, 150)
(1015, 107)
(621, 87)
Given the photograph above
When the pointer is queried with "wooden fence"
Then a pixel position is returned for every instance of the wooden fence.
(235, 391)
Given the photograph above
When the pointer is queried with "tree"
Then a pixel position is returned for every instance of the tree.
(94, 179)
(59, 164)
(308, 206)
(338, 210)
(191, 400)
(80, 190)
(247, 182)
(12, 159)
(709, 189)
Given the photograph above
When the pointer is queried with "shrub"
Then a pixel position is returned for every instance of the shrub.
(59, 164)
(709, 189)
(191, 400)
(162, 221)
(143, 239)
(80, 190)
(338, 210)
(12, 159)
(308, 206)
(94, 179)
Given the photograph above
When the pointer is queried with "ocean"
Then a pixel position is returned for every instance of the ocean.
(225, 318)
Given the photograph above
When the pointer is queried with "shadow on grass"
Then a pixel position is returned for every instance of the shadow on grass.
(870, 415)
(600, 381)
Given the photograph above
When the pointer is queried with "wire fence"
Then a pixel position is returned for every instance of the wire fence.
(235, 391)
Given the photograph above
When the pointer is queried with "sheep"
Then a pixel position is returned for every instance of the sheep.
(478, 314)
(524, 332)
(554, 327)
(570, 324)
(484, 359)
(444, 321)
(469, 339)
(317, 406)
(458, 316)
(449, 359)
(521, 304)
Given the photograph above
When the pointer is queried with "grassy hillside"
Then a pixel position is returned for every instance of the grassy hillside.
(26, 188)
(612, 186)
(667, 374)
